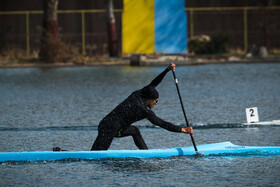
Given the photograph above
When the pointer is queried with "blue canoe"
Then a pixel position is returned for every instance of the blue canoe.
(218, 149)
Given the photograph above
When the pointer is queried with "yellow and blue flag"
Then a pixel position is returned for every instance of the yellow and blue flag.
(154, 26)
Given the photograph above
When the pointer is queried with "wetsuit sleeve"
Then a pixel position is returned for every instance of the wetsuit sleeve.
(161, 123)
(158, 79)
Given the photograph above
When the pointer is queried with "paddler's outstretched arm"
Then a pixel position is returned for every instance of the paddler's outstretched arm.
(167, 125)
(159, 78)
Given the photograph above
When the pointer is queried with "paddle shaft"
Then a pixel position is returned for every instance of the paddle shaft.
(176, 83)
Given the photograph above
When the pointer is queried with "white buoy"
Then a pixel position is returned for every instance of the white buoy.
(252, 115)
(253, 118)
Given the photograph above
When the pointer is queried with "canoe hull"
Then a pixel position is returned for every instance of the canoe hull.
(206, 149)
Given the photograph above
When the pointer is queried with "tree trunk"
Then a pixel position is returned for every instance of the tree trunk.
(49, 38)
(111, 30)
(50, 23)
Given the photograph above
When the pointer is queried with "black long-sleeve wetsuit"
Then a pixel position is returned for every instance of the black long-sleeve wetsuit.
(118, 122)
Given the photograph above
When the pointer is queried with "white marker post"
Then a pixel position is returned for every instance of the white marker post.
(252, 115)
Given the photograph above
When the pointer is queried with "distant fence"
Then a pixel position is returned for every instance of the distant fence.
(82, 21)
(244, 25)
(237, 22)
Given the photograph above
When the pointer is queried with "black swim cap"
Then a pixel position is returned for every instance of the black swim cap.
(149, 92)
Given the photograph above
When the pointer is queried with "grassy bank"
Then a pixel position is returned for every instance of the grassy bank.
(17, 58)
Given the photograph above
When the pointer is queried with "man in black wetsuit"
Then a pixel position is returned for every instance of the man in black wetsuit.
(136, 107)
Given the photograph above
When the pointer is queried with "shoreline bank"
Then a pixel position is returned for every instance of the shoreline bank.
(146, 60)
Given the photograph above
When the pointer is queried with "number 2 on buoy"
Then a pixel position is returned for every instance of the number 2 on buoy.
(252, 115)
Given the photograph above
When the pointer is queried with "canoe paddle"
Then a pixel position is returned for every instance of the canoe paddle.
(176, 83)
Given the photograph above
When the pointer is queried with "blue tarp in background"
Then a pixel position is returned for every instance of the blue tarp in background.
(170, 26)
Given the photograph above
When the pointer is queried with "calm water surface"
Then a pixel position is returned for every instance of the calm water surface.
(43, 108)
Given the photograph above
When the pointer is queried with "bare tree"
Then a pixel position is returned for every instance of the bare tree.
(51, 49)
(111, 30)
(50, 23)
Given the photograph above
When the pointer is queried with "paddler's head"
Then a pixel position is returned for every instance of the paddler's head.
(150, 95)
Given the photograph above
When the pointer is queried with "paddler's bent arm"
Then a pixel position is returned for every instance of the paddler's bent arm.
(159, 78)
(167, 125)
(163, 124)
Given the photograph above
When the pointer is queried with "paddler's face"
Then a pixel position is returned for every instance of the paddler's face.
(152, 103)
